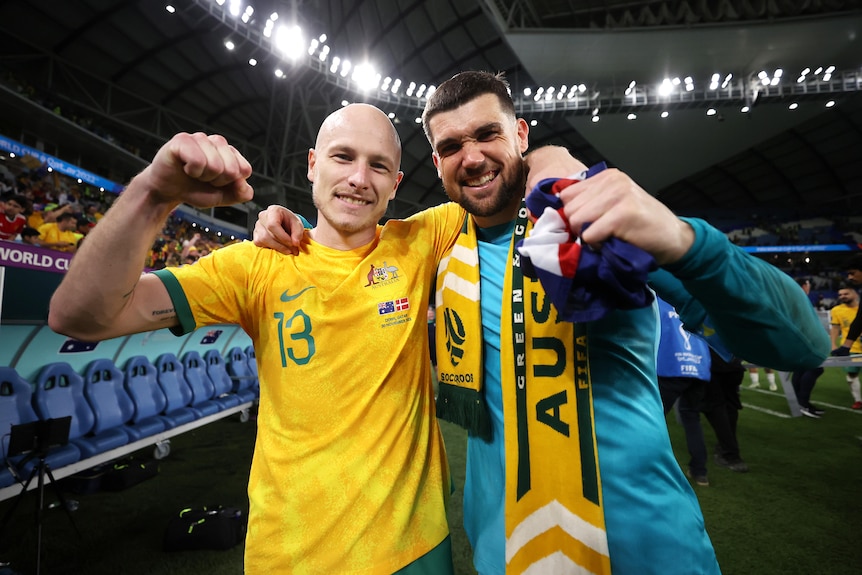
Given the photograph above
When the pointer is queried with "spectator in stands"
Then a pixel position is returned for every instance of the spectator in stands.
(30, 236)
(49, 214)
(754, 374)
(60, 235)
(349, 470)
(12, 220)
(804, 380)
(682, 367)
(842, 316)
(93, 210)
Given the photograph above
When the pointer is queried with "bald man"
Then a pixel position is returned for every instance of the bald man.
(349, 471)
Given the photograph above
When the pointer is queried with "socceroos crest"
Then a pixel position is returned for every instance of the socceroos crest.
(455, 335)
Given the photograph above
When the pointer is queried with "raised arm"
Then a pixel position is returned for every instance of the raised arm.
(104, 294)
(758, 311)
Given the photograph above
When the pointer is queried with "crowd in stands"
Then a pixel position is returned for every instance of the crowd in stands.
(47, 209)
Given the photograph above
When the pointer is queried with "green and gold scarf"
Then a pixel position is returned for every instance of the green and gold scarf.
(554, 517)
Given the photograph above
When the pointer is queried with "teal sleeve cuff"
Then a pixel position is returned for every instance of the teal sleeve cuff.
(181, 304)
(305, 223)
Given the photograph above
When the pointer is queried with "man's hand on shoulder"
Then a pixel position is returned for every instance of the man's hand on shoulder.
(279, 229)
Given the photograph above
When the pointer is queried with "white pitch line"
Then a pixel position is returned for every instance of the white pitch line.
(767, 411)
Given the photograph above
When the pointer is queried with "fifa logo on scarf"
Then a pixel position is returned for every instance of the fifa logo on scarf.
(455, 335)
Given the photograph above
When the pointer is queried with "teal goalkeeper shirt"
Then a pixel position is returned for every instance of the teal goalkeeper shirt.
(653, 520)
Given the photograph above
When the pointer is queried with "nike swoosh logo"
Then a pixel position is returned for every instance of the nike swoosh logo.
(287, 297)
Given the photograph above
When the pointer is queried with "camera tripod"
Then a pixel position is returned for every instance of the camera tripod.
(40, 471)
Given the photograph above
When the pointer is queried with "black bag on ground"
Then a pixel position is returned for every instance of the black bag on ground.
(209, 527)
(128, 472)
(85, 482)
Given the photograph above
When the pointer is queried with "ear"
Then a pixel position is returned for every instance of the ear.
(398, 179)
(312, 159)
(523, 133)
(436, 159)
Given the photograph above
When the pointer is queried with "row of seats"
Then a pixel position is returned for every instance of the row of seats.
(112, 407)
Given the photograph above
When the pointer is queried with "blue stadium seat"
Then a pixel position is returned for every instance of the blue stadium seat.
(241, 376)
(59, 393)
(16, 395)
(200, 384)
(172, 380)
(222, 384)
(147, 396)
(103, 388)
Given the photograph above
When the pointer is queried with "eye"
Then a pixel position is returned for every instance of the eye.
(487, 135)
(447, 150)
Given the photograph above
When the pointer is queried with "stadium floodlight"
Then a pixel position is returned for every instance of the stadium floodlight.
(666, 87)
(229, 44)
(234, 7)
(252, 62)
(289, 41)
(365, 77)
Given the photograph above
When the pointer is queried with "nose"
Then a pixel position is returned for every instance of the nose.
(474, 155)
(358, 179)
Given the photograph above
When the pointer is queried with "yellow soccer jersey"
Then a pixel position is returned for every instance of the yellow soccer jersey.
(842, 316)
(51, 233)
(349, 472)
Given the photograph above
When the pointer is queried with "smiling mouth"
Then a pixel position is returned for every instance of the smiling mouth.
(481, 180)
(353, 200)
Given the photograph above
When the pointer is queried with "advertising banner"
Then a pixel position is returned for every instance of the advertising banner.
(17, 255)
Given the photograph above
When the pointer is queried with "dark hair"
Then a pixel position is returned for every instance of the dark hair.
(18, 199)
(28, 231)
(465, 87)
(66, 216)
(854, 263)
(802, 281)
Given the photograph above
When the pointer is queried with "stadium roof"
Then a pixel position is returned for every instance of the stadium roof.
(105, 82)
